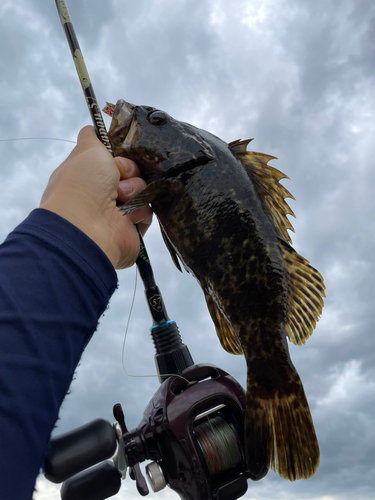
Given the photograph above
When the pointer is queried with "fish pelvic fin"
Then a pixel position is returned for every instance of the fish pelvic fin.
(266, 179)
(224, 331)
(279, 433)
(170, 248)
(305, 298)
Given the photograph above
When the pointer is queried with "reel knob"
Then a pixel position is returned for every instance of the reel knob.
(155, 477)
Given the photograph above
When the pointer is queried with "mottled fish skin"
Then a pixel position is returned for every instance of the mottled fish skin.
(214, 219)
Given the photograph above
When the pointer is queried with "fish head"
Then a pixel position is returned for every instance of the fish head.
(159, 144)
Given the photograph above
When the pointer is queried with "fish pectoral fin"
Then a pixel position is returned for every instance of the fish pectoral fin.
(224, 331)
(140, 200)
(305, 298)
(171, 249)
(266, 179)
(148, 195)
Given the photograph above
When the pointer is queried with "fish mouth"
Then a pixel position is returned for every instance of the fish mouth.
(122, 129)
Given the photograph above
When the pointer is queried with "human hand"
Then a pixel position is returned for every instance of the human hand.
(84, 190)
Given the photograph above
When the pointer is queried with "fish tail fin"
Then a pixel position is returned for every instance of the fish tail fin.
(279, 431)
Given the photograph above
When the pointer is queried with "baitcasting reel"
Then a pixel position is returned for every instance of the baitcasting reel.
(191, 430)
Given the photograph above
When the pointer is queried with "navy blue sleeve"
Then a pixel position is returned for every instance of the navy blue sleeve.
(55, 283)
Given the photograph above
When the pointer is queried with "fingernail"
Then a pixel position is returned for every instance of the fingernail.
(126, 187)
(128, 165)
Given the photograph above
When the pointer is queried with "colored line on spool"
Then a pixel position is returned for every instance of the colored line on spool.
(220, 445)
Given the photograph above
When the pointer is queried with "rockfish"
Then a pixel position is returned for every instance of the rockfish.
(223, 215)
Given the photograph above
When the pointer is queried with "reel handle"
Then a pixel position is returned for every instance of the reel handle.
(79, 449)
(98, 483)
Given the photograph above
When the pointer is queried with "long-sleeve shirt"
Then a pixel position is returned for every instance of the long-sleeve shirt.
(55, 283)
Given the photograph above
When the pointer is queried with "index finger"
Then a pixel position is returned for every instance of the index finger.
(127, 168)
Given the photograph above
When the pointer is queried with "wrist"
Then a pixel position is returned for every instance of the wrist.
(92, 226)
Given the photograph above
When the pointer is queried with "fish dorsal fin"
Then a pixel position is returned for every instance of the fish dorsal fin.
(266, 182)
(305, 298)
(239, 146)
(227, 337)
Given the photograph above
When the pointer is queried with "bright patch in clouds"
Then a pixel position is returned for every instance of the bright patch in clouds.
(350, 386)
(256, 13)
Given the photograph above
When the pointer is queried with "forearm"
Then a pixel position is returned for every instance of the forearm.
(55, 284)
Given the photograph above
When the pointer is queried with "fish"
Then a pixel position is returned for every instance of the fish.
(223, 217)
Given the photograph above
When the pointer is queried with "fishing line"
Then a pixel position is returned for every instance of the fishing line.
(220, 445)
(38, 138)
(135, 281)
(126, 334)
(136, 269)
(127, 326)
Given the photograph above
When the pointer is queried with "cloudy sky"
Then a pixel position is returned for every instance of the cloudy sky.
(298, 76)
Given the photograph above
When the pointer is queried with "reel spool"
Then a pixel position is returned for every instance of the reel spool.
(220, 445)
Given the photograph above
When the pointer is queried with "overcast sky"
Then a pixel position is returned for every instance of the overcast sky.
(298, 76)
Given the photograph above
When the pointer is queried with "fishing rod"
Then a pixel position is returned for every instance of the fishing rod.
(83, 75)
(192, 429)
(164, 331)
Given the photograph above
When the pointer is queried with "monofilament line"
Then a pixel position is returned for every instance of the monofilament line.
(127, 328)
(126, 334)
(38, 139)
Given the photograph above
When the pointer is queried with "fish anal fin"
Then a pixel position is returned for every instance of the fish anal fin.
(305, 298)
(227, 337)
(279, 434)
(271, 193)
(170, 248)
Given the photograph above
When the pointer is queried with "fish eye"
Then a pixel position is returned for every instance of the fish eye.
(157, 118)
